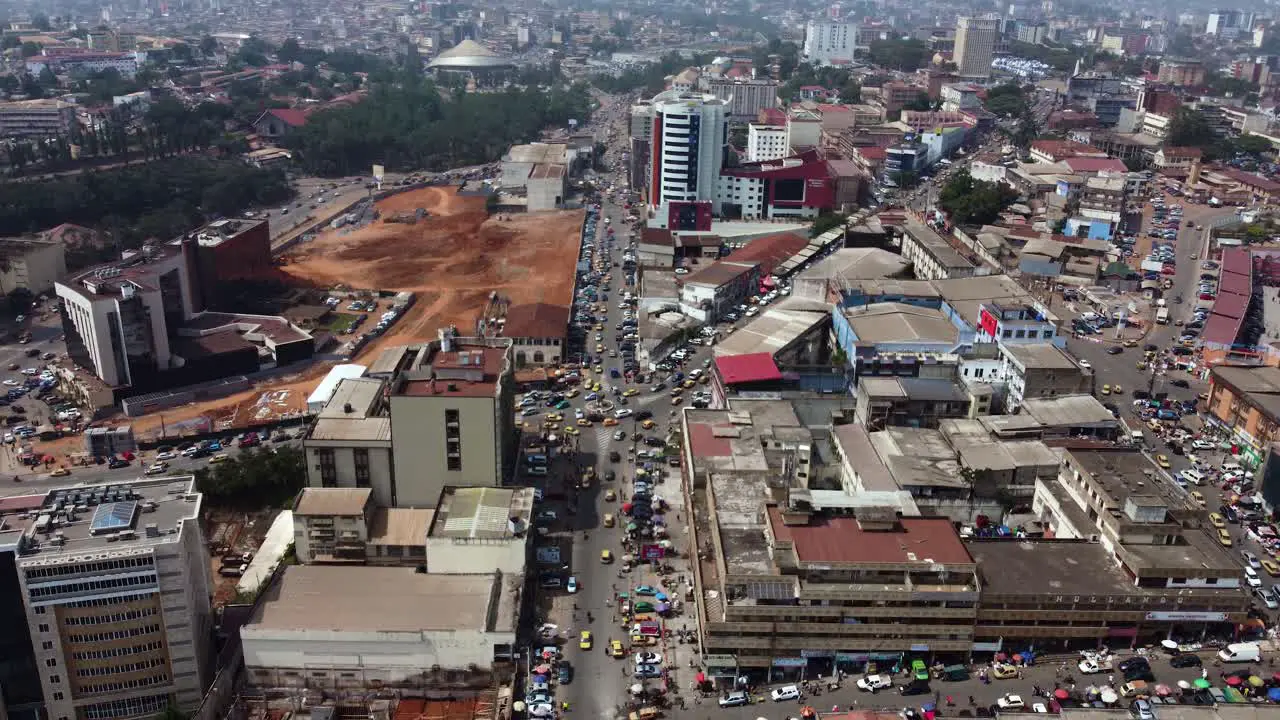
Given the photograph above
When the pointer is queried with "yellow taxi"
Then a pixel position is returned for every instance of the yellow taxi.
(677, 400)
(1197, 497)
(615, 649)
(571, 430)
(219, 458)
(550, 426)
(584, 641)
(1271, 567)
(1106, 389)
(648, 424)
(1116, 389)
(676, 391)
(687, 384)
(583, 422)
(606, 556)
(572, 393)
(599, 327)
(1131, 343)
(1224, 538)
(610, 495)
(1217, 520)
(704, 379)
(599, 370)
(608, 519)
(630, 392)
(595, 386)
(1142, 365)
(599, 349)
(1163, 461)
(557, 417)
(610, 422)
(60, 472)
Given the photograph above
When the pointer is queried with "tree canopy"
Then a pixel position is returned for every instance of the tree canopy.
(254, 479)
(410, 127)
(1006, 100)
(160, 199)
(970, 201)
(904, 54)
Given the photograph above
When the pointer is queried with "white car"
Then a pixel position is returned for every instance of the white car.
(787, 692)
(648, 658)
(572, 585)
(1251, 578)
(622, 413)
(11, 382)
(1011, 702)
(1092, 666)
(874, 682)
(752, 311)
(1266, 598)
(166, 455)
(157, 468)
(1039, 708)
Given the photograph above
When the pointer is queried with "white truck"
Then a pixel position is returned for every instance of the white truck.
(1162, 316)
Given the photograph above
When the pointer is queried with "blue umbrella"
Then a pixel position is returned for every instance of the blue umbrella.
(1274, 695)
(928, 707)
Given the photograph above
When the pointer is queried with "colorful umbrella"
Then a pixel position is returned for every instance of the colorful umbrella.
(1234, 681)
(542, 670)
(1274, 695)
(1164, 690)
(1201, 684)
(1061, 694)
(1255, 681)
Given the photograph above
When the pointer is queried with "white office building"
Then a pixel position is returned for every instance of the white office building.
(690, 138)
(115, 582)
(827, 42)
(766, 142)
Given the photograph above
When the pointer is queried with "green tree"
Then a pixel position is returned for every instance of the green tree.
(1006, 100)
(1188, 128)
(902, 54)
(255, 479)
(208, 46)
(968, 201)
(41, 22)
(31, 49)
(826, 223)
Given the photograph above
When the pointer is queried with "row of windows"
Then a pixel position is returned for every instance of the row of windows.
(123, 668)
(128, 707)
(117, 652)
(92, 585)
(113, 635)
(125, 685)
(113, 617)
(97, 602)
(93, 567)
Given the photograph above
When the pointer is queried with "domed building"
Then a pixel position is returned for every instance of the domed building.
(474, 60)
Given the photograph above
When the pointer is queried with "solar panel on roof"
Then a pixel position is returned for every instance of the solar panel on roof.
(113, 517)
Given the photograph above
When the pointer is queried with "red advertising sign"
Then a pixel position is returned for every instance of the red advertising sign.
(989, 324)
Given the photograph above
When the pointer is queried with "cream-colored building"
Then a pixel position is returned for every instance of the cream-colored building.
(349, 445)
(31, 263)
(975, 45)
(332, 627)
(452, 417)
(480, 527)
(343, 526)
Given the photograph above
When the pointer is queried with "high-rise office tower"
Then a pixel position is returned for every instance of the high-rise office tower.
(690, 136)
(975, 44)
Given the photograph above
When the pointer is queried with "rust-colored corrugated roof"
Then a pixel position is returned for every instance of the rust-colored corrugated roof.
(842, 539)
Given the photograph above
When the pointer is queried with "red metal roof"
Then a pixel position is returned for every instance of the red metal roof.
(770, 250)
(293, 118)
(753, 367)
(842, 539)
(1236, 260)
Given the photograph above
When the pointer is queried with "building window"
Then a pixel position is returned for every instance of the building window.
(55, 679)
(328, 468)
(58, 696)
(51, 662)
(43, 627)
(360, 458)
(453, 440)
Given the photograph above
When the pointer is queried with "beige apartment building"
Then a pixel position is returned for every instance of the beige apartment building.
(349, 445)
(975, 45)
(452, 417)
